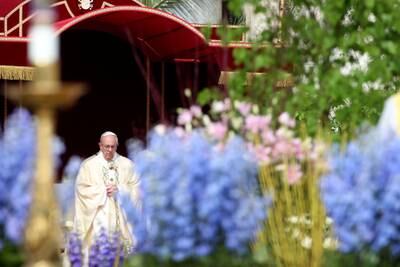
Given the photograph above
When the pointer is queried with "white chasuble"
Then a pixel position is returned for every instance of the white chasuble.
(389, 122)
(93, 208)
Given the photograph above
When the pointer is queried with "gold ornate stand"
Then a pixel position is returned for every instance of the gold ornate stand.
(43, 235)
(44, 95)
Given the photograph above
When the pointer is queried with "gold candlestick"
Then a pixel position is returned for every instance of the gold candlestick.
(43, 233)
(44, 95)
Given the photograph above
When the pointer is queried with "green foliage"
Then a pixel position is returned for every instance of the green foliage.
(11, 256)
(341, 56)
(221, 258)
(207, 95)
(363, 258)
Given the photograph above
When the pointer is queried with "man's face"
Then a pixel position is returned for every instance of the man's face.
(108, 146)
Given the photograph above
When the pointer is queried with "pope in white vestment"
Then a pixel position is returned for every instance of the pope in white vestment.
(100, 178)
(389, 122)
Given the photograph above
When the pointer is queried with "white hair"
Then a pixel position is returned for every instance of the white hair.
(109, 133)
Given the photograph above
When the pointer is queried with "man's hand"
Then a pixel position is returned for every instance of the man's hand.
(111, 189)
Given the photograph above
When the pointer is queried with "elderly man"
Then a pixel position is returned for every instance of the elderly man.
(100, 177)
(389, 122)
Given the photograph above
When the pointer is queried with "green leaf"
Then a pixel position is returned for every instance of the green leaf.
(390, 46)
(369, 3)
(207, 95)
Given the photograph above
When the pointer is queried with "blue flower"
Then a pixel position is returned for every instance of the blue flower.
(134, 147)
(17, 166)
(196, 196)
(65, 191)
(361, 194)
(17, 152)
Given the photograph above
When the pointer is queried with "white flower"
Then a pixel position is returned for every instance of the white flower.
(237, 123)
(306, 242)
(206, 120)
(308, 65)
(348, 17)
(371, 18)
(336, 54)
(160, 129)
(376, 85)
(332, 113)
(293, 219)
(330, 243)
(368, 39)
(218, 106)
(255, 109)
(317, 12)
(363, 62)
(346, 69)
(187, 92)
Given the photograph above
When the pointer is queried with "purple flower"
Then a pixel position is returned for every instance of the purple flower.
(74, 250)
(105, 249)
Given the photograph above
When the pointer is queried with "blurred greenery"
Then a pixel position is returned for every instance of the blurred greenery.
(11, 255)
(362, 258)
(220, 258)
(317, 42)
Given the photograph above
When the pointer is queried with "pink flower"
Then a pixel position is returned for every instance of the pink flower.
(294, 173)
(196, 111)
(244, 108)
(268, 136)
(286, 120)
(282, 149)
(256, 123)
(185, 117)
(217, 130)
(284, 133)
(297, 148)
(262, 153)
(225, 118)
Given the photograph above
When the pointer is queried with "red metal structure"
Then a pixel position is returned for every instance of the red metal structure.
(136, 61)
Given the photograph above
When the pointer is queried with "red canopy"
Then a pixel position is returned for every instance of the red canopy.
(160, 35)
